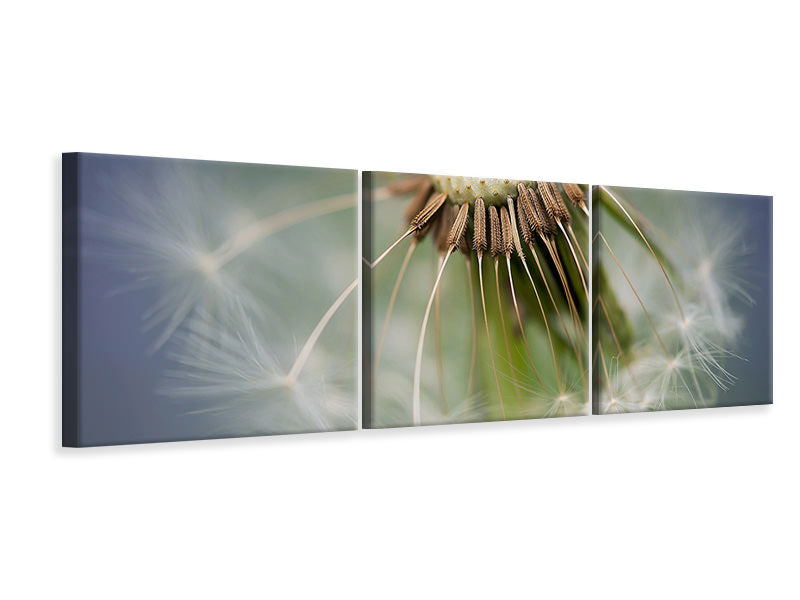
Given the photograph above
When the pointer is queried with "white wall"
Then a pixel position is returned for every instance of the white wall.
(692, 95)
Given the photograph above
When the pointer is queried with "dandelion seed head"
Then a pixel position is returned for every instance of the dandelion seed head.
(467, 189)
(459, 356)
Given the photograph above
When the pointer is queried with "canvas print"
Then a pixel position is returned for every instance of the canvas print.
(682, 300)
(476, 299)
(206, 299)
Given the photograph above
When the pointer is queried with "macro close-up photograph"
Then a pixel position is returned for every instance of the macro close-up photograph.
(477, 295)
(401, 301)
(209, 299)
(682, 308)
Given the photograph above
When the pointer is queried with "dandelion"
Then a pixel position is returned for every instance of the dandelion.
(666, 293)
(510, 334)
(226, 369)
(194, 242)
(252, 272)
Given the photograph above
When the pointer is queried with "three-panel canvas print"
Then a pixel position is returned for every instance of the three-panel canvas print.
(209, 299)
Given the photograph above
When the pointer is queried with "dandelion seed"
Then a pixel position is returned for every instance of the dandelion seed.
(225, 367)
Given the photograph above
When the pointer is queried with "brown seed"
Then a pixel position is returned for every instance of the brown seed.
(553, 202)
(423, 216)
(479, 241)
(522, 219)
(512, 213)
(432, 227)
(508, 234)
(527, 215)
(495, 232)
(419, 200)
(574, 193)
(464, 245)
(548, 202)
(532, 211)
(562, 212)
(459, 228)
(546, 226)
(442, 229)
(420, 234)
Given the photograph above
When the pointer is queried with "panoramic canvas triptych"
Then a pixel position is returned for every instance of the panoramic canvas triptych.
(207, 299)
